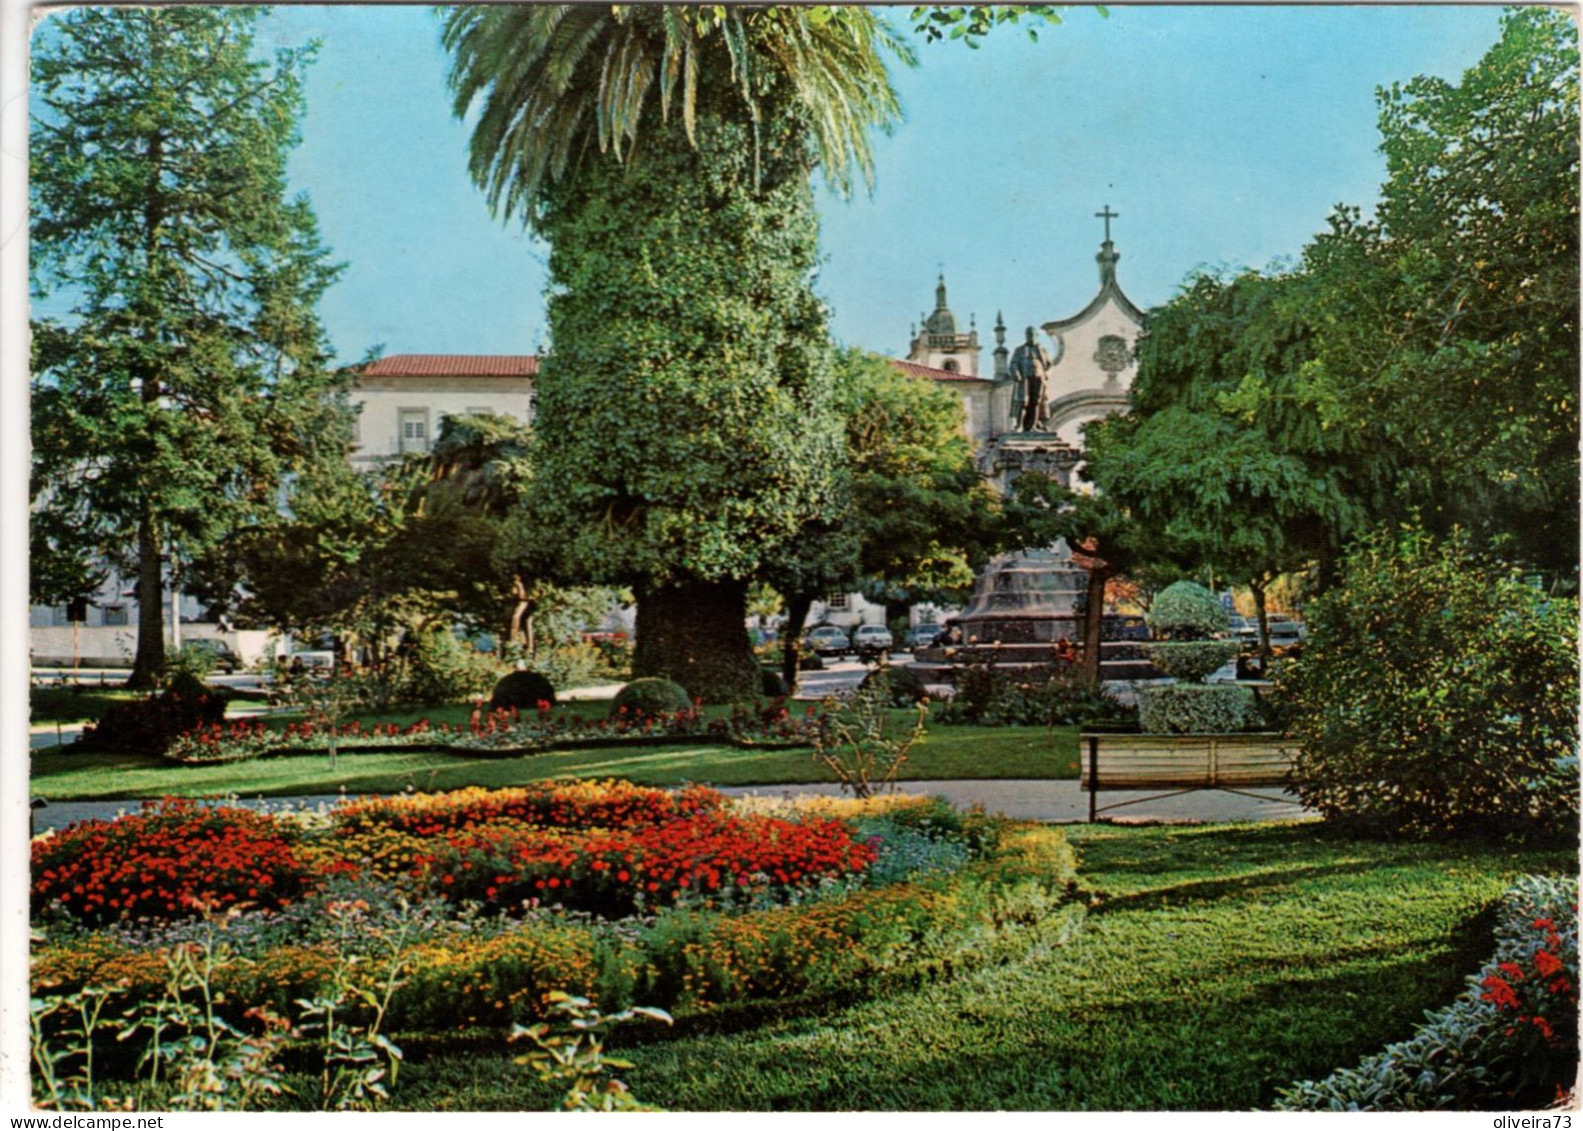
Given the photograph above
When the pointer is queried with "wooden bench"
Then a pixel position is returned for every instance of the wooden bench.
(1182, 763)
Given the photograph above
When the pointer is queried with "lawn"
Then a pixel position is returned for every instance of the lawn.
(1217, 964)
(948, 752)
(73, 704)
(84, 704)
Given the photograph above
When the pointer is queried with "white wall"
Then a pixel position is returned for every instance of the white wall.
(382, 398)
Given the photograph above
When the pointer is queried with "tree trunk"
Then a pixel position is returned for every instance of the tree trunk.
(1094, 620)
(149, 665)
(696, 634)
(797, 606)
(1258, 586)
(516, 620)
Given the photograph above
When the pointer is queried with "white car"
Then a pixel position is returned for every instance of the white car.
(319, 661)
(872, 640)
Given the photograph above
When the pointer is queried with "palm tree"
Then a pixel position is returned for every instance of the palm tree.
(687, 429)
(553, 81)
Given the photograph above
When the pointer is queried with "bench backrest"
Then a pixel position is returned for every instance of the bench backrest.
(1182, 761)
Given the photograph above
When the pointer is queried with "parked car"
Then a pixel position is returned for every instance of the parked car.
(827, 640)
(871, 640)
(1245, 629)
(1286, 630)
(922, 635)
(225, 658)
(314, 660)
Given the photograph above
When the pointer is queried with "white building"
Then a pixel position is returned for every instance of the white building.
(400, 400)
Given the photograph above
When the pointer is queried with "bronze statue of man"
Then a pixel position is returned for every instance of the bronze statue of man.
(1030, 365)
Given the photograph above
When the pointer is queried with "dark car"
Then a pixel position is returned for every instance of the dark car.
(225, 658)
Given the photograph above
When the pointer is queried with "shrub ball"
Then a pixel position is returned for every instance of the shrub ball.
(650, 698)
(1186, 611)
(522, 690)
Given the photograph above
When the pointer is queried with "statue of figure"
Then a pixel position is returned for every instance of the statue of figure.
(1030, 366)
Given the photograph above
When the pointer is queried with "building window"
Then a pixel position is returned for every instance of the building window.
(414, 430)
(949, 365)
(838, 602)
(115, 616)
(59, 615)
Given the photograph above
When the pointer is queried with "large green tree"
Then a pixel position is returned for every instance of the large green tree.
(1248, 492)
(1446, 327)
(916, 521)
(190, 376)
(686, 419)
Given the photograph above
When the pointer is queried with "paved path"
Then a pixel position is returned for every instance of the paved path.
(1025, 799)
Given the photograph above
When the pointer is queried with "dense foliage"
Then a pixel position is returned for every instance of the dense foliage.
(1197, 708)
(1185, 610)
(1437, 692)
(190, 380)
(151, 724)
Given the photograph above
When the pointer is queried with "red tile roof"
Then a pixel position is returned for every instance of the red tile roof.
(913, 369)
(454, 365)
(527, 365)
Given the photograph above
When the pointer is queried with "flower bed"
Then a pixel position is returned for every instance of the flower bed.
(464, 972)
(506, 731)
(581, 804)
(173, 859)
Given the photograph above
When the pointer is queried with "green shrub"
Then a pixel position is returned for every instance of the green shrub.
(1197, 708)
(772, 685)
(1436, 693)
(1186, 610)
(150, 725)
(1190, 659)
(1480, 1052)
(1048, 695)
(441, 669)
(523, 691)
(191, 659)
(903, 685)
(650, 698)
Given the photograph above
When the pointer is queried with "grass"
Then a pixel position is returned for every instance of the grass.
(74, 704)
(948, 752)
(1218, 964)
(85, 703)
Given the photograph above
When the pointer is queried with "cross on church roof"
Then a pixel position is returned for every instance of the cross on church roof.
(1107, 215)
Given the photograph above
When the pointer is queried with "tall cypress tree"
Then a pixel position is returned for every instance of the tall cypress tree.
(190, 377)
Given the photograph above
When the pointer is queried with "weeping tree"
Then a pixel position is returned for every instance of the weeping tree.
(687, 424)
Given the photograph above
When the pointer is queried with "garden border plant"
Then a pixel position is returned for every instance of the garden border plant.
(1509, 1041)
(831, 938)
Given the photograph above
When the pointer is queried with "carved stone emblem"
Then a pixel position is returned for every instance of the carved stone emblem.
(1112, 354)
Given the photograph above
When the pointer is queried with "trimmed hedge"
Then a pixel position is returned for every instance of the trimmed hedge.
(1197, 708)
(1190, 659)
(650, 698)
(523, 690)
(1186, 611)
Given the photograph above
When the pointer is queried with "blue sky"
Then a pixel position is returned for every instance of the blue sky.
(1221, 135)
